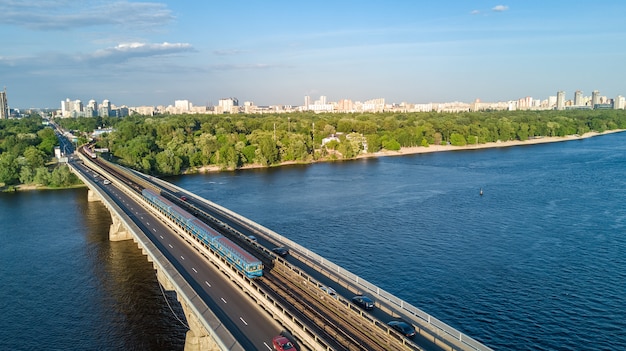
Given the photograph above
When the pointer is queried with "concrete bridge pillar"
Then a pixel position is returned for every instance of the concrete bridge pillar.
(197, 338)
(118, 231)
(92, 196)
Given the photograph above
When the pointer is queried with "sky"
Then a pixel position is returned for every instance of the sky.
(275, 52)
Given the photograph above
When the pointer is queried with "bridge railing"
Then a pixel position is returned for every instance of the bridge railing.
(436, 328)
(211, 323)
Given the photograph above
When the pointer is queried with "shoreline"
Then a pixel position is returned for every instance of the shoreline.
(489, 145)
(385, 153)
(421, 150)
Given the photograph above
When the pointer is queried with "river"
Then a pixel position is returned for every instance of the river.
(538, 262)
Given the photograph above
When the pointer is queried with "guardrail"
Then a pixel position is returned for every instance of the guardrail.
(447, 335)
(218, 331)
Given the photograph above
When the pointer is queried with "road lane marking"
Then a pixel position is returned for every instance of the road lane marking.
(161, 236)
(194, 270)
(223, 300)
(182, 257)
(170, 245)
(207, 283)
(268, 346)
(244, 322)
(154, 229)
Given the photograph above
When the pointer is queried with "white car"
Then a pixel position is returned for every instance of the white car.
(330, 291)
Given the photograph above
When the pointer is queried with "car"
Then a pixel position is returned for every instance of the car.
(252, 238)
(330, 291)
(281, 343)
(106, 181)
(403, 328)
(363, 301)
(184, 198)
(281, 251)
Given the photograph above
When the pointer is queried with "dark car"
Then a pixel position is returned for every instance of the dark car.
(281, 343)
(281, 251)
(403, 328)
(363, 301)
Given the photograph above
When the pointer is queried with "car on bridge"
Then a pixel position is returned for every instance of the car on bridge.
(363, 301)
(403, 328)
(281, 343)
(281, 251)
(330, 291)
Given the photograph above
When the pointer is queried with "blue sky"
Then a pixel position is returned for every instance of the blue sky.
(276, 52)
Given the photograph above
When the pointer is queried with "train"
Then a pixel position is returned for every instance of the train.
(89, 151)
(242, 260)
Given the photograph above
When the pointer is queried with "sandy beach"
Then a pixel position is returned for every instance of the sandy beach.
(433, 148)
(442, 148)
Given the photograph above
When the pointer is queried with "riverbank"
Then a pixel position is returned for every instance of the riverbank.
(428, 149)
(30, 187)
(509, 143)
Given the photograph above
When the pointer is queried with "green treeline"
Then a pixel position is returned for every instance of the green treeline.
(172, 144)
(26, 149)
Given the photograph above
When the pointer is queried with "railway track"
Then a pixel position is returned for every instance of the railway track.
(331, 319)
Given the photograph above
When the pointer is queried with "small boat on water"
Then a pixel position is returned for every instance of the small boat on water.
(481, 191)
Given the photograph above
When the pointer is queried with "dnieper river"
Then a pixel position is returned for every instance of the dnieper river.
(538, 262)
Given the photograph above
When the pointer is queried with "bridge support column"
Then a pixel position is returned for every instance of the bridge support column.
(118, 231)
(92, 196)
(197, 338)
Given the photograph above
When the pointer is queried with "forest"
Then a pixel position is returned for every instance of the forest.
(27, 155)
(175, 144)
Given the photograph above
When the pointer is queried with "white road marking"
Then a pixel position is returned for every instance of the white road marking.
(154, 229)
(207, 283)
(161, 236)
(194, 270)
(182, 257)
(244, 322)
(223, 300)
(171, 247)
(268, 346)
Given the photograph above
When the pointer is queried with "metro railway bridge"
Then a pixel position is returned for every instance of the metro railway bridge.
(205, 253)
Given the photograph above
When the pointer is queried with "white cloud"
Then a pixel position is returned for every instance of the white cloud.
(500, 8)
(475, 12)
(64, 15)
(227, 52)
(126, 51)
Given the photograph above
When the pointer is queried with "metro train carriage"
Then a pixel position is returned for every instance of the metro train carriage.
(230, 251)
(205, 233)
(89, 152)
(239, 257)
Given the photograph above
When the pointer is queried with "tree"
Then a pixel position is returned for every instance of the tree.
(167, 163)
(457, 139)
(9, 169)
(35, 158)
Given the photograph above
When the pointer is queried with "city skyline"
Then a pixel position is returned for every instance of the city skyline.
(77, 108)
(151, 53)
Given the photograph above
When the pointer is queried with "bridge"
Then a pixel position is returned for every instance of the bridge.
(300, 294)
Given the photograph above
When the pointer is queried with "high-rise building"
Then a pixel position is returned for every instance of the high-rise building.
(4, 105)
(619, 102)
(578, 98)
(105, 109)
(228, 105)
(307, 102)
(182, 105)
(595, 98)
(560, 100)
(65, 108)
(92, 108)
